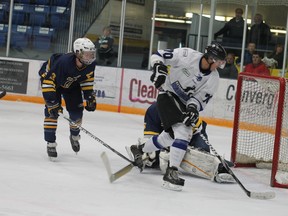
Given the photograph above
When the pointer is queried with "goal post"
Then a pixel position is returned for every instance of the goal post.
(260, 130)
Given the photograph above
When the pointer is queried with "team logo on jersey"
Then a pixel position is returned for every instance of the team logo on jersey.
(69, 81)
(183, 93)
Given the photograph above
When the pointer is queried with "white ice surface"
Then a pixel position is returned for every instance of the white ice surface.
(31, 185)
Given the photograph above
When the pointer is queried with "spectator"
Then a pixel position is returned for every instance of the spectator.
(105, 47)
(260, 33)
(278, 55)
(229, 71)
(251, 47)
(257, 66)
(233, 30)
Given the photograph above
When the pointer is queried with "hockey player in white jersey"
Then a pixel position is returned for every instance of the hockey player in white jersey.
(186, 80)
(197, 161)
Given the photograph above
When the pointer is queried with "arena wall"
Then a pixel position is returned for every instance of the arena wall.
(117, 89)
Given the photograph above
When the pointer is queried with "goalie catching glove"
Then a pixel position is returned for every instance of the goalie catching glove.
(191, 116)
(159, 75)
(91, 103)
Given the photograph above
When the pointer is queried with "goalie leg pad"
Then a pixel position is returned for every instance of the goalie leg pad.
(200, 163)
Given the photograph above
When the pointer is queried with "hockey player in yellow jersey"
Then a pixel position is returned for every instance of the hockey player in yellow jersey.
(70, 76)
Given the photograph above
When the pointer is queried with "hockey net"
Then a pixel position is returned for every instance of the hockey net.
(260, 132)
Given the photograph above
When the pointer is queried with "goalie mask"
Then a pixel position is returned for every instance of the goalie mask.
(217, 53)
(84, 50)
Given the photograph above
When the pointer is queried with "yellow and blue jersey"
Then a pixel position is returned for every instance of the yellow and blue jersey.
(61, 71)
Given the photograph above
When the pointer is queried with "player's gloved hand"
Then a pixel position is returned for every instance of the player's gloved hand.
(91, 103)
(192, 115)
(159, 75)
(54, 109)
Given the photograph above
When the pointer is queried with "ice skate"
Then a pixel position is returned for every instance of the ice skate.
(136, 153)
(75, 143)
(171, 179)
(51, 150)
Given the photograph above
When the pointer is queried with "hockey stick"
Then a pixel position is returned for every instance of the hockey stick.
(2, 92)
(254, 195)
(123, 171)
(114, 176)
(97, 139)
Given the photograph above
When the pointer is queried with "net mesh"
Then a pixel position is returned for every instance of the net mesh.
(257, 123)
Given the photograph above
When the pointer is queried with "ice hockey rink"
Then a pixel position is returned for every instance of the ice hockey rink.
(32, 185)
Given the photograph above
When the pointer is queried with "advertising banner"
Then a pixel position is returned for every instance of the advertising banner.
(14, 76)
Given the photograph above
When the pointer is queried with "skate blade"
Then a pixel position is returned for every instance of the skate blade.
(169, 186)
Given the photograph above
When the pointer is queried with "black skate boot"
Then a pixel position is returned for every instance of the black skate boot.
(75, 143)
(137, 153)
(172, 180)
(51, 149)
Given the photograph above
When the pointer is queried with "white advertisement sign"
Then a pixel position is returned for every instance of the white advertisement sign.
(132, 88)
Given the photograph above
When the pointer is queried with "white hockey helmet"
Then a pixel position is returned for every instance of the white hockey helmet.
(84, 50)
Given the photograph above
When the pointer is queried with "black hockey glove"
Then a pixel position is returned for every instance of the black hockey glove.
(54, 109)
(91, 103)
(159, 75)
(192, 115)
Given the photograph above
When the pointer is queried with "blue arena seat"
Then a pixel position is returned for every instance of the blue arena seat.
(3, 34)
(20, 12)
(22, 1)
(4, 9)
(39, 15)
(42, 38)
(42, 2)
(21, 36)
(59, 17)
(64, 3)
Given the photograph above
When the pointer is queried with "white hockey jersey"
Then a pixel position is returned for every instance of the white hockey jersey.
(185, 78)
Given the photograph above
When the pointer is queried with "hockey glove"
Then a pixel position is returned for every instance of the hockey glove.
(91, 104)
(159, 75)
(54, 109)
(192, 115)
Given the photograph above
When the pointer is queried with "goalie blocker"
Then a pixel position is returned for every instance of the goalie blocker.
(201, 164)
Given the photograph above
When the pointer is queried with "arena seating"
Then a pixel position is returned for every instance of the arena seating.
(21, 36)
(3, 34)
(42, 38)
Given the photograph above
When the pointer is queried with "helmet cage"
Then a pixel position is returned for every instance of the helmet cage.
(86, 57)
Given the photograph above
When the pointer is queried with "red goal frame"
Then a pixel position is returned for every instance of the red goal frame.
(278, 126)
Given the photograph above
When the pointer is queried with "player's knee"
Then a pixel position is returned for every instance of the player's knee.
(165, 139)
(182, 132)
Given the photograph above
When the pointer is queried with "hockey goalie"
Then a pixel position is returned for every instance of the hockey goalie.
(198, 160)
